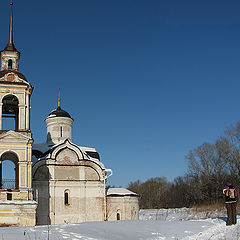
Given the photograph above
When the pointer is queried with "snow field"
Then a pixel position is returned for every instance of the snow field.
(170, 224)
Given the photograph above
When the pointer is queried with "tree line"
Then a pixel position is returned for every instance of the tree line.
(209, 166)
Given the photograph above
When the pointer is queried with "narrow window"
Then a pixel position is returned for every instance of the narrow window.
(10, 64)
(118, 216)
(66, 198)
(9, 196)
(61, 131)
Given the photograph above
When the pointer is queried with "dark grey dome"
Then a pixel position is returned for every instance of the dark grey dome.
(58, 113)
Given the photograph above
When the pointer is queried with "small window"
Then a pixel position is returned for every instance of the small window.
(66, 197)
(10, 64)
(9, 196)
(118, 216)
(61, 131)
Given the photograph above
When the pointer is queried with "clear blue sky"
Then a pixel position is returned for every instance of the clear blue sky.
(145, 81)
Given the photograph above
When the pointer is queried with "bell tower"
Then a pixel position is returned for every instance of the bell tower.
(16, 194)
(15, 102)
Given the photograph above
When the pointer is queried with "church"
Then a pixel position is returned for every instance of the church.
(57, 181)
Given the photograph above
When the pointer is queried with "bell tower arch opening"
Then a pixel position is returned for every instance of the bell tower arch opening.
(10, 112)
(9, 170)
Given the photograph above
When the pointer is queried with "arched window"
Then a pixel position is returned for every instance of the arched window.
(9, 171)
(66, 197)
(10, 113)
(118, 216)
(10, 64)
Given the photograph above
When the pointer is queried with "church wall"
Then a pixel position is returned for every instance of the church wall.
(85, 203)
(58, 129)
(18, 214)
(126, 206)
(42, 196)
(17, 195)
(85, 195)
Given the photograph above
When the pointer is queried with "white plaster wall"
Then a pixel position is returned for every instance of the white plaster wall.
(54, 125)
(86, 202)
(126, 206)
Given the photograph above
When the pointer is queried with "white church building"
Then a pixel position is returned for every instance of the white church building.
(56, 181)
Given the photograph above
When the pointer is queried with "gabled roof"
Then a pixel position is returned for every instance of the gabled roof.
(14, 137)
(45, 151)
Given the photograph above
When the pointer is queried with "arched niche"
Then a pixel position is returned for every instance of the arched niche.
(42, 173)
(67, 156)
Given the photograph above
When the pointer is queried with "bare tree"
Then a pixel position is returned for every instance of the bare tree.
(206, 169)
(153, 192)
(230, 144)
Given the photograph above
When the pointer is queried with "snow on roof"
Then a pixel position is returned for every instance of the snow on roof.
(44, 147)
(120, 192)
(52, 115)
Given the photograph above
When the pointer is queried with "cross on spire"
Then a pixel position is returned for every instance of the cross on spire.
(59, 100)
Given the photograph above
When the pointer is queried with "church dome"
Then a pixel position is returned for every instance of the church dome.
(58, 113)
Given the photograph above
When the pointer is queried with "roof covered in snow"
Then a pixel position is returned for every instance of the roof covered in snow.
(43, 150)
(120, 192)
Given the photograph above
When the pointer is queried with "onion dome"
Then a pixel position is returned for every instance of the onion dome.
(58, 113)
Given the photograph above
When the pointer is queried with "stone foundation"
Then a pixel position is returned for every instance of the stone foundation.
(18, 213)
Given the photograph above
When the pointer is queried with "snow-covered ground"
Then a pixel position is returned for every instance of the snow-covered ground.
(155, 225)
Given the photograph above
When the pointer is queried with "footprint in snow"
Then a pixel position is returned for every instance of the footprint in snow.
(78, 237)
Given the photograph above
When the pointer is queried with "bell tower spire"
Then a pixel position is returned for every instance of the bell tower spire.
(10, 46)
(10, 55)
